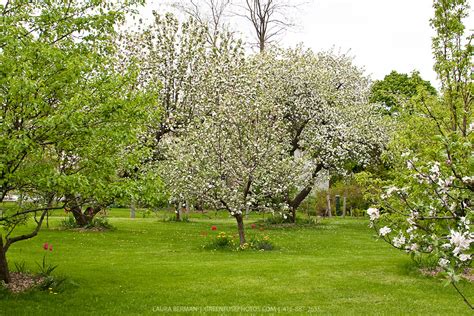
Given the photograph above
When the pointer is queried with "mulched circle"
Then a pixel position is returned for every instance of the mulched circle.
(467, 274)
(21, 282)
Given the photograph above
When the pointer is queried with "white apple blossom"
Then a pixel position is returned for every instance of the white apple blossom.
(460, 241)
(446, 246)
(255, 113)
(235, 157)
(443, 262)
(464, 257)
(392, 190)
(398, 241)
(384, 231)
(414, 247)
(435, 169)
(471, 127)
(373, 213)
(326, 113)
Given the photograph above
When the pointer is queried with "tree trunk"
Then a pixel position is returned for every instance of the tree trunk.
(178, 212)
(240, 226)
(75, 209)
(303, 194)
(199, 207)
(50, 205)
(262, 44)
(328, 201)
(3, 193)
(4, 272)
(81, 219)
(293, 215)
(132, 209)
(344, 206)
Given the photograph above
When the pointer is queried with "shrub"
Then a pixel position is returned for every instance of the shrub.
(101, 223)
(174, 218)
(224, 241)
(221, 242)
(263, 243)
(279, 220)
(68, 222)
(355, 199)
(52, 284)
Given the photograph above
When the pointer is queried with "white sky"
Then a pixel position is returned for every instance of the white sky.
(382, 35)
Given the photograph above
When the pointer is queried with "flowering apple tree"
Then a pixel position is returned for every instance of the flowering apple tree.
(172, 61)
(176, 61)
(235, 156)
(426, 208)
(329, 121)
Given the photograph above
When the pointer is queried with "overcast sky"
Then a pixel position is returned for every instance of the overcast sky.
(382, 35)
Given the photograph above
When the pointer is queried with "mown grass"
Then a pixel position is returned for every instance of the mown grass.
(148, 266)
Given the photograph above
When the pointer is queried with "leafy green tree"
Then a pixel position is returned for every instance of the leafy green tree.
(396, 89)
(68, 111)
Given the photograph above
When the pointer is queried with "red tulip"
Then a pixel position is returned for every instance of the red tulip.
(253, 226)
(50, 247)
(213, 228)
(45, 246)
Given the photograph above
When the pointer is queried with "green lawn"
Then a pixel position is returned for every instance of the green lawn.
(147, 266)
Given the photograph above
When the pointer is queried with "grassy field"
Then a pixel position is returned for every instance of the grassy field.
(148, 266)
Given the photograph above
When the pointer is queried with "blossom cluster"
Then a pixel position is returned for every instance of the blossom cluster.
(436, 222)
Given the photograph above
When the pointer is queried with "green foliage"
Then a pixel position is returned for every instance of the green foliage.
(396, 89)
(45, 269)
(353, 192)
(71, 113)
(100, 222)
(65, 115)
(54, 284)
(69, 222)
(279, 220)
(21, 267)
(426, 261)
(174, 218)
(146, 213)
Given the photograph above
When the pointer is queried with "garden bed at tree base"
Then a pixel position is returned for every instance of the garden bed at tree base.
(22, 282)
(468, 273)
